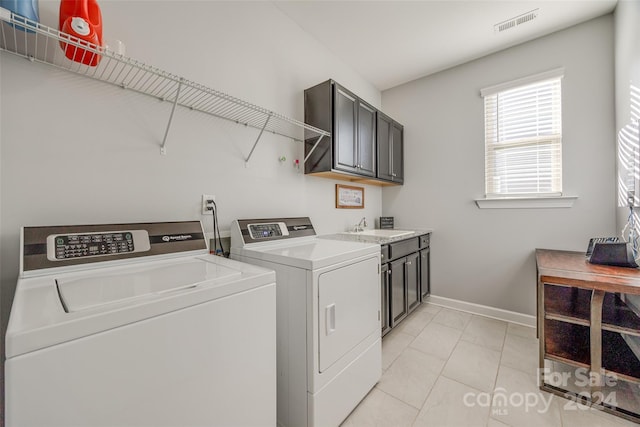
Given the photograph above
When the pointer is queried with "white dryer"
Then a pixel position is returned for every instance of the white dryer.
(137, 325)
(328, 317)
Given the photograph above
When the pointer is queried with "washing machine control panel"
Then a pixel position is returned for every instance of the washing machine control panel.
(80, 245)
(64, 247)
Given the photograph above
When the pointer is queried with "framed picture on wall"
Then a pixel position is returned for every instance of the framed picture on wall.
(349, 197)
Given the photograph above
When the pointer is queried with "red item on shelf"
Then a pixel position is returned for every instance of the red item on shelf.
(81, 19)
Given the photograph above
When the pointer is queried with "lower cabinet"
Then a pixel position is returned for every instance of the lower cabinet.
(425, 277)
(398, 301)
(412, 277)
(405, 279)
(384, 297)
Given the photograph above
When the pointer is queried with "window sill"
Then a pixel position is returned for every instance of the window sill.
(527, 202)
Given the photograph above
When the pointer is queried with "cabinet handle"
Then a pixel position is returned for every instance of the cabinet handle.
(393, 174)
(408, 262)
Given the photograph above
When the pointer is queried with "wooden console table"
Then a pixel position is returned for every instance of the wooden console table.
(582, 321)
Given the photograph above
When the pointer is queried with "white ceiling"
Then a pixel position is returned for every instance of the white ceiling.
(392, 42)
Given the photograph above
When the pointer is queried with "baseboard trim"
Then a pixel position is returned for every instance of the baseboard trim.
(483, 310)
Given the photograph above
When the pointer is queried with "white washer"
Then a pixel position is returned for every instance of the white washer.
(328, 317)
(136, 325)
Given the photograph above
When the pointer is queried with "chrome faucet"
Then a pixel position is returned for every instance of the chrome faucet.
(360, 226)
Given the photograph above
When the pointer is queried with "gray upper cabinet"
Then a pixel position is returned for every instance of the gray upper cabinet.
(366, 139)
(397, 151)
(354, 139)
(390, 149)
(345, 124)
(351, 152)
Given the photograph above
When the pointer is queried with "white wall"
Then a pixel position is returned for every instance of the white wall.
(627, 87)
(627, 95)
(487, 256)
(74, 151)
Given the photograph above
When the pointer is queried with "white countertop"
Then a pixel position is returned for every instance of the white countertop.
(355, 237)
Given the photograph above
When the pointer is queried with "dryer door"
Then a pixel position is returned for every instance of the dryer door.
(349, 304)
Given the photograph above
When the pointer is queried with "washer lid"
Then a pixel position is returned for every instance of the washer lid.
(38, 319)
(80, 293)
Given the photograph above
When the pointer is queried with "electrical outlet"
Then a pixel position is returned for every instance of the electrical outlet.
(205, 205)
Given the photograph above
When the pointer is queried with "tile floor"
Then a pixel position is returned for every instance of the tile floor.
(442, 366)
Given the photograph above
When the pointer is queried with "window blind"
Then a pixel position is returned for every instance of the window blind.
(523, 140)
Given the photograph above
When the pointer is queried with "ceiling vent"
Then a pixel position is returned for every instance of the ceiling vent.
(514, 22)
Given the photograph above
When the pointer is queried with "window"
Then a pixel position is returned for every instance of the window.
(523, 137)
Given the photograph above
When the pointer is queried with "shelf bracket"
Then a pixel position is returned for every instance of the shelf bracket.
(313, 148)
(163, 149)
(258, 139)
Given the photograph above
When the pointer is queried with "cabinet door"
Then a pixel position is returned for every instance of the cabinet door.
(412, 275)
(345, 128)
(383, 168)
(425, 278)
(366, 160)
(398, 295)
(384, 298)
(397, 152)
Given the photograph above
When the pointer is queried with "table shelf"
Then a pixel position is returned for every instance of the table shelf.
(569, 343)
(572, 304)
(583, 324)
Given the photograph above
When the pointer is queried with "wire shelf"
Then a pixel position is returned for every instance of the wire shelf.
(39, 43)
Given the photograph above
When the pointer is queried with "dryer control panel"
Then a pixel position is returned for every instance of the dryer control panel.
(267, 230)
(247, 231)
